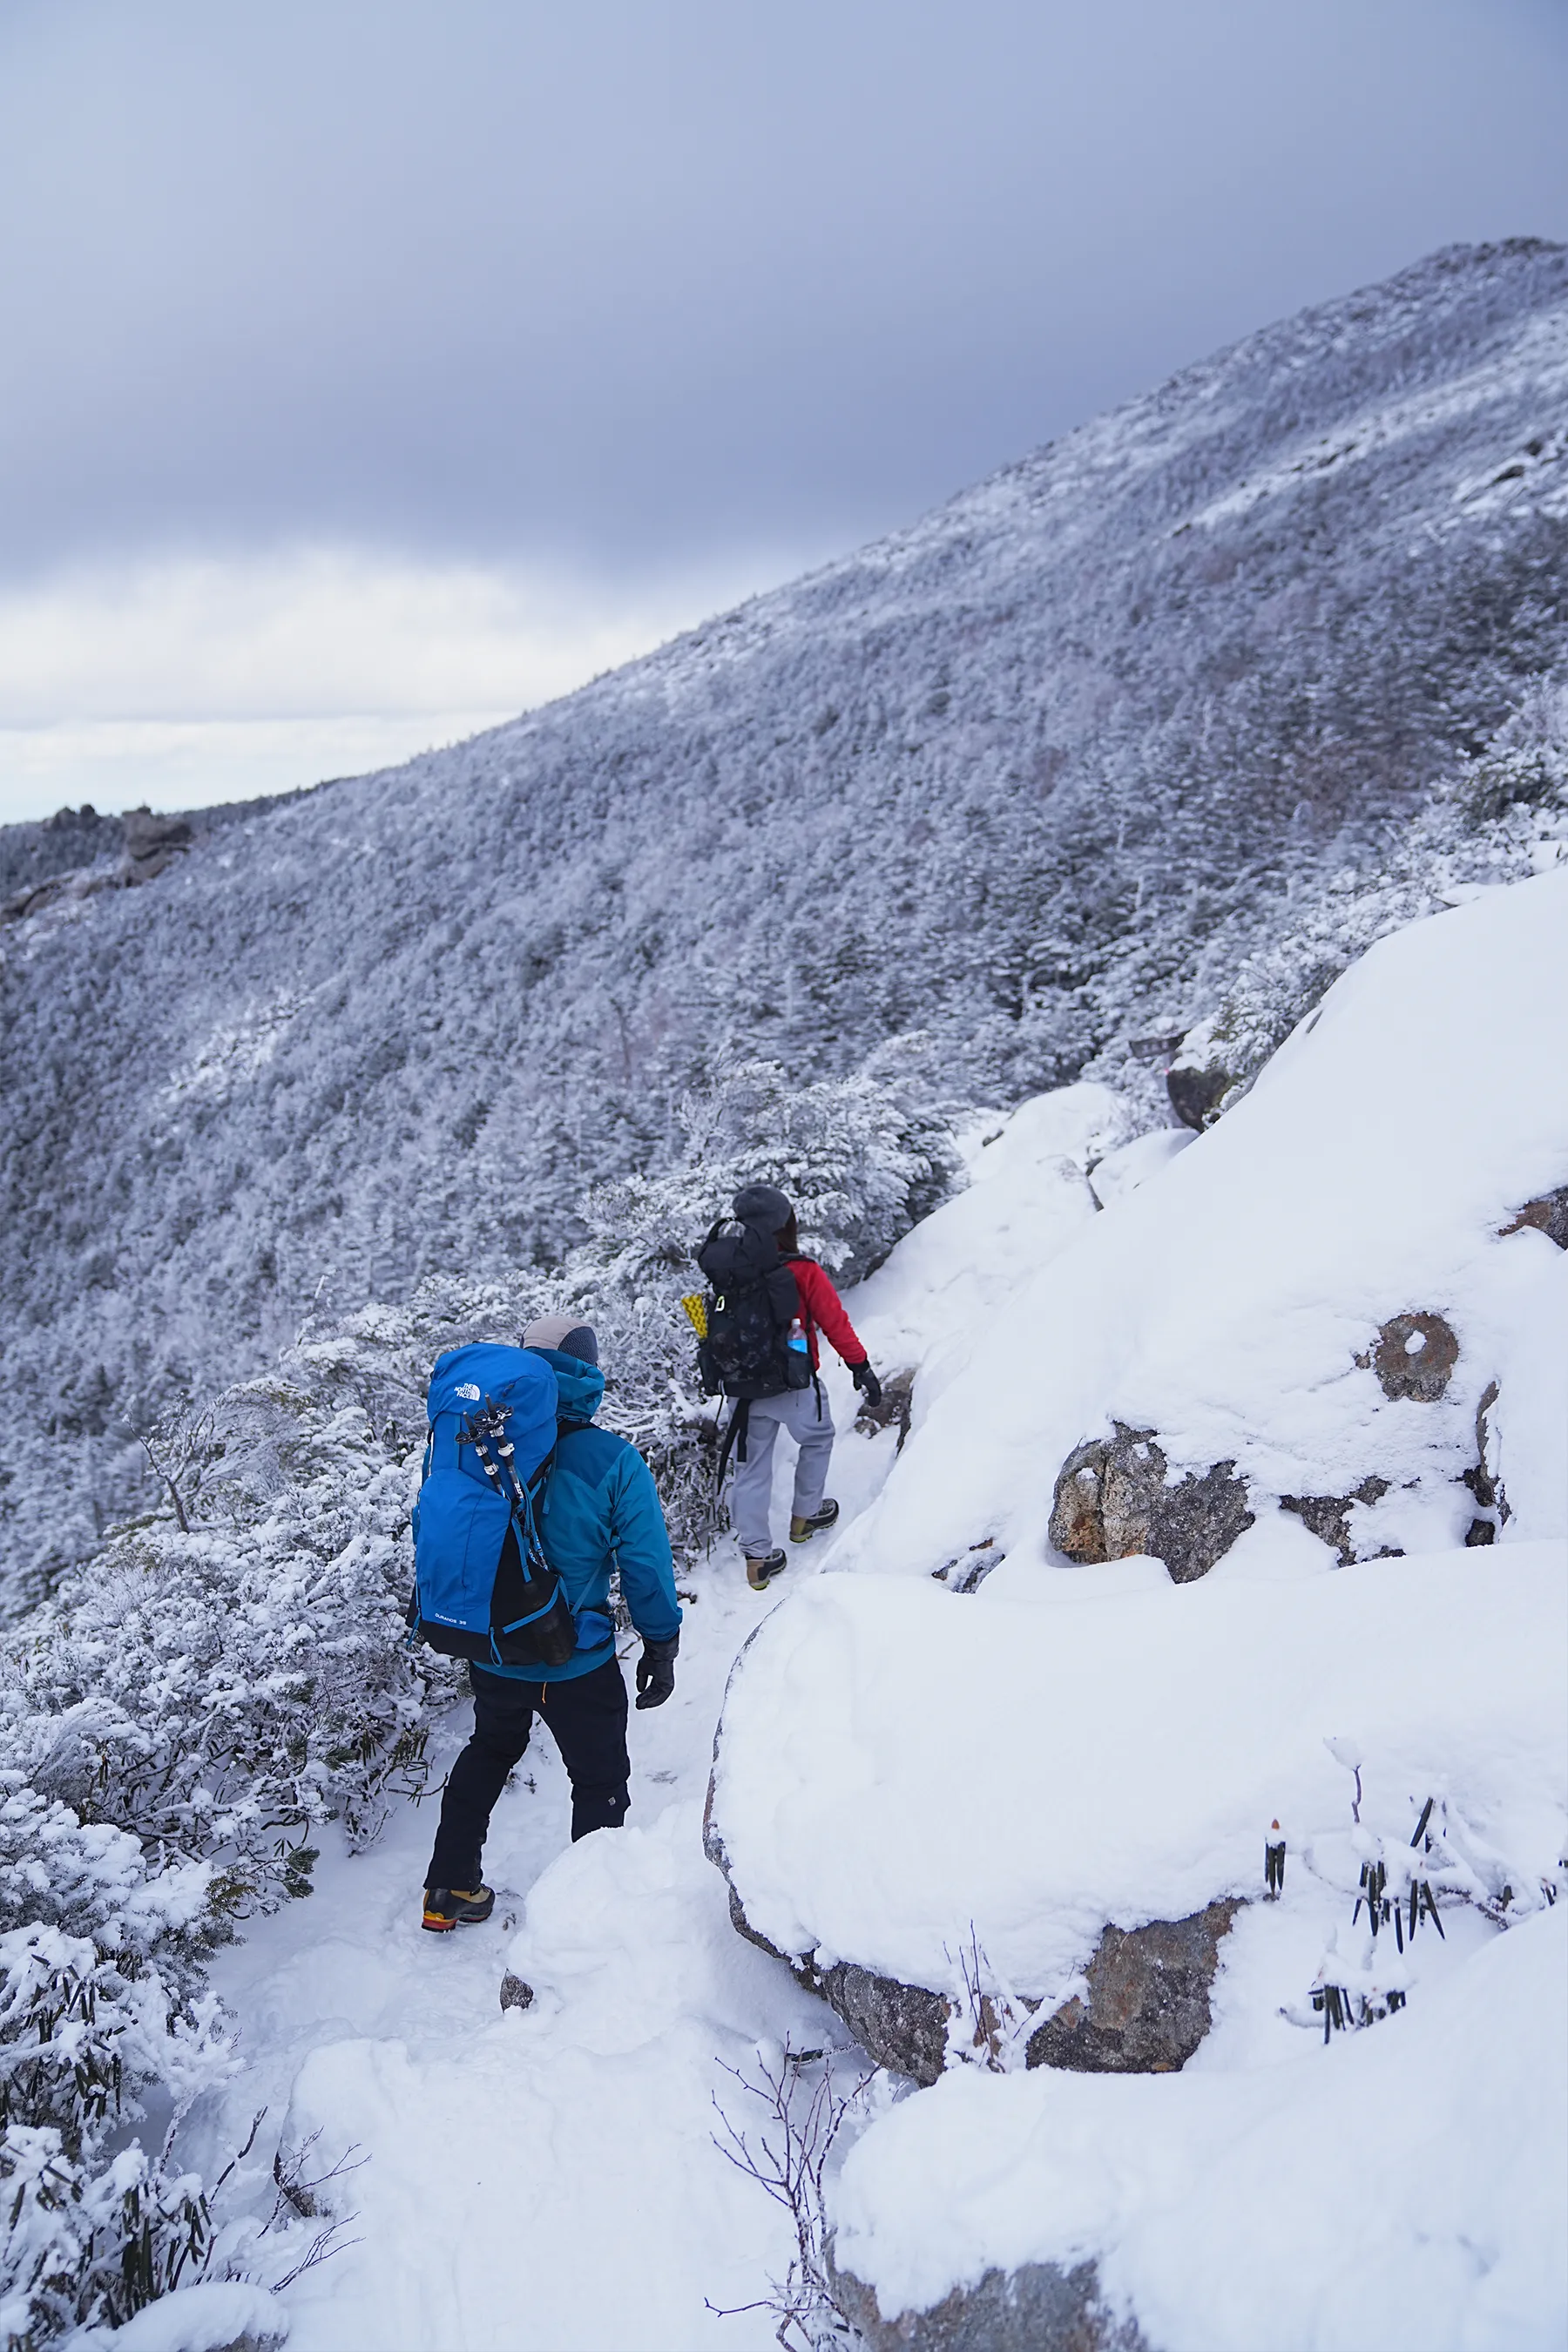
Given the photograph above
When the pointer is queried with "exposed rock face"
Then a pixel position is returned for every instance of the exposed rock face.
(1487, 1490)
(1196, 1095)
(1076, 1522)
(1147, 2010)
(893, 1412)
(1200, 1080)
(1327, 1516)
(1112, 1499)
(150, 842)
(899, 2025)
(1415, 1357)
(1148, 2005)
(1037, 2308)
(1549, 1216)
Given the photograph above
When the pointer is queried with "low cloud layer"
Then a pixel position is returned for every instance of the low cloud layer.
(614, 294)
(189, 681)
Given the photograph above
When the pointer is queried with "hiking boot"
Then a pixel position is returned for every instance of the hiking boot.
(760, 1573)
(445, 1905)
(802, 1531)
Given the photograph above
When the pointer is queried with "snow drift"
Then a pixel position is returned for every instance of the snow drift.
(901, 1769)
(1232, 1305)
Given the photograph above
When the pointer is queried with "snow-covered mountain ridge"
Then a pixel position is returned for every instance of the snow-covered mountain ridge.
(1030, 778)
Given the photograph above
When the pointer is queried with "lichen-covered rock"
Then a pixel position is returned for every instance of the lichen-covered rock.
(1415, 1357)
(1148, 2000)
(1548, 1215)
(1076, 1522)
(1039, 2307)
(1113, 1498)
(1327, 1516)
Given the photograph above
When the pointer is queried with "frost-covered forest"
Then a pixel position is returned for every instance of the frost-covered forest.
(904, 888)
(1011, 794)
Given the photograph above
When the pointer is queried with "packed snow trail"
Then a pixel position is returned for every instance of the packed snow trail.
(538, 2178)
(547, 2180)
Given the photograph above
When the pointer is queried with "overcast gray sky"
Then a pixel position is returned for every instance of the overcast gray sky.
(368, 371)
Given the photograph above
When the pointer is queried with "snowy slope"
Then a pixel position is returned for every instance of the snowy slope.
(903, 1769)
(1029, 776)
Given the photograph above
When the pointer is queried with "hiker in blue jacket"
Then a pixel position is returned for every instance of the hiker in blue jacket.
(600, 1509)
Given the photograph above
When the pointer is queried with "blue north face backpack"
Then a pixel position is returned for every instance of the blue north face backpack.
(483, 1589)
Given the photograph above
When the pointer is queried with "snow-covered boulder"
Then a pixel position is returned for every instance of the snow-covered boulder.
(907, 1783)
(1407, 2187)
(1317, 1292)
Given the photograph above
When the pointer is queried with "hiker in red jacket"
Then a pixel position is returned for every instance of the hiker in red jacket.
(805, 1411)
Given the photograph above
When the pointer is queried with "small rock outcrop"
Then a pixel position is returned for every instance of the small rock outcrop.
(1488, 1490)
(516, 1992)
(1039, 2307)
(1548, 1215)
(1415, 1357)
(1327, 1516)
(1199, 1079)
(892, 1412)
(1148, 2002)
(150, 842)
(1112, 1499)
(1196, 1095)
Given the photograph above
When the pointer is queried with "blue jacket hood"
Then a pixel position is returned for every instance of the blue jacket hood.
(582, 1385)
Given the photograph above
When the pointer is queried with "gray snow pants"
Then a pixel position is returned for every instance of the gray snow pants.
(808, 1417)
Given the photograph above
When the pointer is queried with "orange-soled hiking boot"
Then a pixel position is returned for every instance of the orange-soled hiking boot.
(445, 1905)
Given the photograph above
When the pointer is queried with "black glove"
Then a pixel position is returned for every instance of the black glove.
(656, 1670)
(866, 1381)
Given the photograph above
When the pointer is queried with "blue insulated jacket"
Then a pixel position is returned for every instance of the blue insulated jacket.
(600, 1509)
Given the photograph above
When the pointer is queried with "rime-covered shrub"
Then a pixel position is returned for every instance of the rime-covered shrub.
(1503, 816)
(216, 1689)
(174, 1723)
(101, 2011)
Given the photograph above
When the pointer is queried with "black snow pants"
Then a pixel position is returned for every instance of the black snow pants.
(587, 1714)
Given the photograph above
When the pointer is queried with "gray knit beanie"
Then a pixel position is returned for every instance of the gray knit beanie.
(562, 1335)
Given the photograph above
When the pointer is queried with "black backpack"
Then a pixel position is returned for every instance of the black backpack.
(751, 1302)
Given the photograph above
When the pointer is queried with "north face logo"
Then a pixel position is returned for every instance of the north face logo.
(468, 1390)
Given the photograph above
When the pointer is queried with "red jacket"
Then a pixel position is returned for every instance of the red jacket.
(822, 1309)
